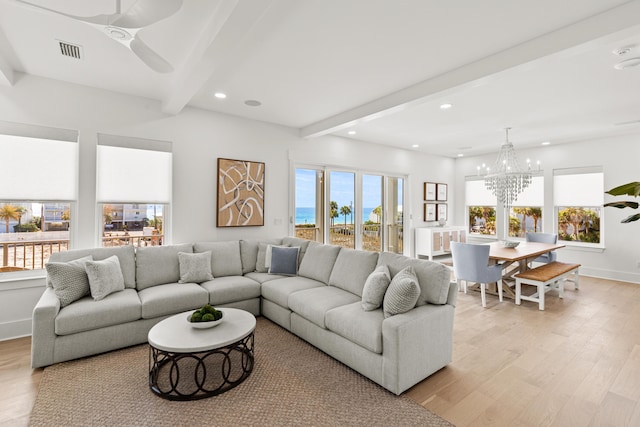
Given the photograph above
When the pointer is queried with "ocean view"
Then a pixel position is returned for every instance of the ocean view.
(308, 216)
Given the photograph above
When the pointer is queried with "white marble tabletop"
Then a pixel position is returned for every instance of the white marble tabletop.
(176, 335)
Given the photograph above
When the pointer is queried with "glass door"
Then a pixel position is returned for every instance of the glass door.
(372, 213)
(341, 209)
(309, 204)
(393, 216)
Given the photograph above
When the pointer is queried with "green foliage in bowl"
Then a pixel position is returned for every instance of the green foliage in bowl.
(206, 314)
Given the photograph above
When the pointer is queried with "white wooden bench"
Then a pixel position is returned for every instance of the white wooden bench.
(546, 277)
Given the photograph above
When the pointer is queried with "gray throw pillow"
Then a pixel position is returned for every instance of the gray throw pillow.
(105, 277)
(195, 268)
(69, 279)
(402, 294)
(284, 261)
(375, 287)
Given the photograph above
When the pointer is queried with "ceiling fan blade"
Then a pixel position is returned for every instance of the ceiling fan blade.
(150, 57)
(146, 12)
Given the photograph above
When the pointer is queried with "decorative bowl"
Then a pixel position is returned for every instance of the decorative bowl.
(204, 325)
(510, 244)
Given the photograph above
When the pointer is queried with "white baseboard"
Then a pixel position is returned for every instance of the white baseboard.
(622, 276)
(15, 329)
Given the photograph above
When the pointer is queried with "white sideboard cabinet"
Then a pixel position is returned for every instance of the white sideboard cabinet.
(434, 241)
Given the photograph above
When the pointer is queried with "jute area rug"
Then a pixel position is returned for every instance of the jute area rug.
(292, 383)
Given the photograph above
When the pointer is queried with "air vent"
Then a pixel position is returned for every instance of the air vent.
(70, 50)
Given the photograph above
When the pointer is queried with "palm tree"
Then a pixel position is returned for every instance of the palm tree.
(536, 214)
(345, 210)
(21, 211)
(7, 213)
(377, 211)
(334, 212)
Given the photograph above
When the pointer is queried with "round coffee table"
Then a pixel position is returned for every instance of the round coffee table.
(186, 363)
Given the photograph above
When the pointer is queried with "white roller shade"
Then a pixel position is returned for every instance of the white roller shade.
(476, 194)
(38, 169)
(586, 189)
(131, 175)
(533, 195)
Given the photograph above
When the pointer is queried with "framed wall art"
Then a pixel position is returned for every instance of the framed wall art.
(429, 191)
(240, 196)
(441, 214)
(429, 211)
(441, 194)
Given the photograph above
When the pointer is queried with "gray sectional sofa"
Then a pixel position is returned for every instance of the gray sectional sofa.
(322, 304)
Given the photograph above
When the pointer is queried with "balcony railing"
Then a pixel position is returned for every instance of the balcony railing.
(29, 255)
(135, 240)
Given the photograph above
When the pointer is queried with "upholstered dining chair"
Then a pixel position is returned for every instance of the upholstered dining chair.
(543, 238)
(471, 264)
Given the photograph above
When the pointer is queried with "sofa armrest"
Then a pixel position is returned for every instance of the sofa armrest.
(416, 344)
(43, 329)
(452, 298)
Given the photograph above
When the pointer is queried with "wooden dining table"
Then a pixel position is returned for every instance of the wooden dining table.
(516, 260)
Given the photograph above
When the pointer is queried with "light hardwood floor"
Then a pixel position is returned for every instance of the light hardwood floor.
(575, 364)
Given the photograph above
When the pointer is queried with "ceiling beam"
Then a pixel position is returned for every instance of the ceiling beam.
(230, 34)
(595, 27)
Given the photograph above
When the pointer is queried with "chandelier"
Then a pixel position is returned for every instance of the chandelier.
(507, 181)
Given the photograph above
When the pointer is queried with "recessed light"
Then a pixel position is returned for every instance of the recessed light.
(415, 146)
(446, 106)
(220, 95)
(352, 132)
(460, 155)
(252, 103)
(546, 143)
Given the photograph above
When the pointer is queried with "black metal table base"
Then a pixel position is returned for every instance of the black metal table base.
(192, 376)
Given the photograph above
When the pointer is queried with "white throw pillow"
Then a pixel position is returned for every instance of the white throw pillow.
(402, 294)
(105, 277)
(195, 268)
(375, 287)
(69, 279)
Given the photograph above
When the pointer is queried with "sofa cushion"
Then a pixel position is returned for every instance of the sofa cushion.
(375, 287)
(225, 257)
(402, 293)
(313, 304)
(303, 244)
(105, 277)
(278, 290)
(261, 257)
(87, 314)
(156, 265)
(361, 327)
(69, 279)
(352, 268)
(194, 268)
(263, 277)
(223, 290)
(318, 262)
(171, 298)
(126, 256)
(433, 277)
(284, 261)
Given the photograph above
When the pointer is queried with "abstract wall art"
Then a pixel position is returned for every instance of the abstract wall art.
(240, 193)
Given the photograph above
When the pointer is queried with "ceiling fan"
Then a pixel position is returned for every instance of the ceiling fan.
(124, 26)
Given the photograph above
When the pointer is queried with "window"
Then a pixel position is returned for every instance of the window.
(352, 209)
(37, 196)
(481, 208)
(578, 197)
(133, 190)
(526, 212)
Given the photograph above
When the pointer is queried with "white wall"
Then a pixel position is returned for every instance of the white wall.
(619, 158)
(199, 137)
